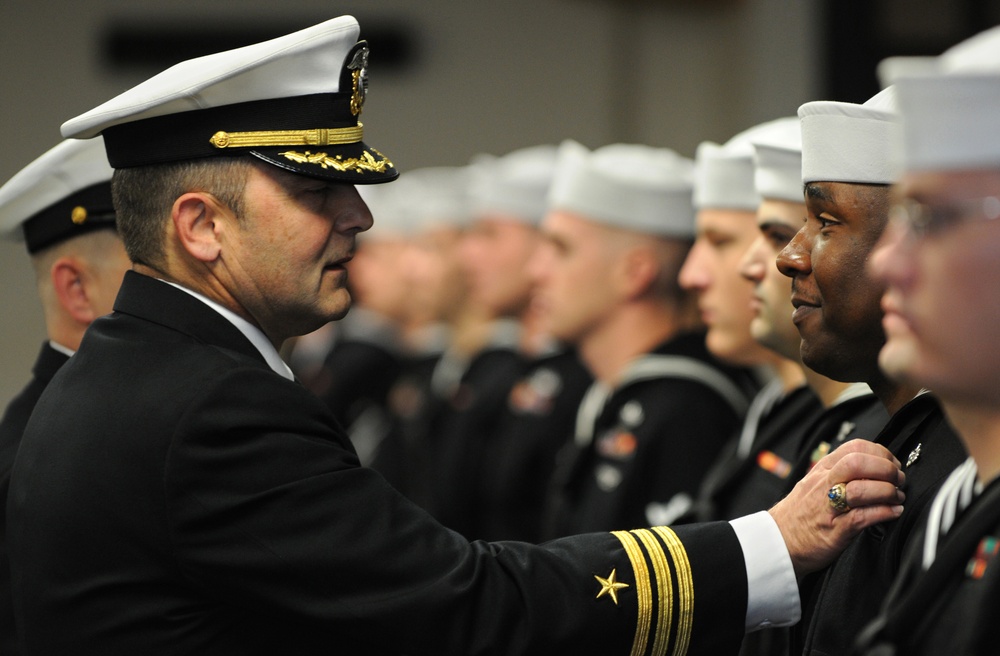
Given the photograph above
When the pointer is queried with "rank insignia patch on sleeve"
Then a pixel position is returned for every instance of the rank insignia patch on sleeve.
(610, 586)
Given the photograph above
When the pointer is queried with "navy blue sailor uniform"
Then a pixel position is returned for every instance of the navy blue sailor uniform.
(356, 376)
(946, 597)
(856, 414)
(794, 433)
(472, 408)
(519, 455)
(206, 504)
(752, 471)
(839, 601)
(640, 451)
(403, 456)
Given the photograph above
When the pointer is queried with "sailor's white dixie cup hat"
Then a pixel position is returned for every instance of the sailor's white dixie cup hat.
(630, 186)
(949, 105)
(847, 142)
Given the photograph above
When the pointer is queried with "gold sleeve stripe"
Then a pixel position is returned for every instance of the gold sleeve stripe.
(685, 588)
(664, 584)
(643, 592)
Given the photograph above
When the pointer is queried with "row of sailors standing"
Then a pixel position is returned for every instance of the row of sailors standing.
(633, 358)
(571, 268)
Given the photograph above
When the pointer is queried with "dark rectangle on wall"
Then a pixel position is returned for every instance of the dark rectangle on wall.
(861, 33)
(147, 45)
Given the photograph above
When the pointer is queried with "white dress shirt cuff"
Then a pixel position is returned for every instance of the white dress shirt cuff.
(772, 591)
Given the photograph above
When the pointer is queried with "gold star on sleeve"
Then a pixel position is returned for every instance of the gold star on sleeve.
(610, 586)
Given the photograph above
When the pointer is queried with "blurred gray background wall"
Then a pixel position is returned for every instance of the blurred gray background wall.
(455, 78)
(475, 77)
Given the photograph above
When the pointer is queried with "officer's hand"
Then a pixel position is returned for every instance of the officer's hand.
(814, 531)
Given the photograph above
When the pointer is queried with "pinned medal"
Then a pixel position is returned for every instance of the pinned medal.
(914, 455)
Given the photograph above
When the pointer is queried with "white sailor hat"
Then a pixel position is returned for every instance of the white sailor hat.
(628, 186)
(64, 193)
(949, 105)
(778, 160)
(439, 195)
(293, 101)
(723, 175)
(515, 185)
(421, 198)
(391, 210)
(848, 142)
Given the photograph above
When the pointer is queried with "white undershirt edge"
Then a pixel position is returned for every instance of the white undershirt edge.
(65, 350)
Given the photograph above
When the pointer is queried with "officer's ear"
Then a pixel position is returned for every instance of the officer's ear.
(199, 220)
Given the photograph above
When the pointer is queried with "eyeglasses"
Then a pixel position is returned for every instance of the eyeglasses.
(923, 220)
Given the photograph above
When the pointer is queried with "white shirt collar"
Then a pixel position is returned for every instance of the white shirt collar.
(252, 332)
(65, 350)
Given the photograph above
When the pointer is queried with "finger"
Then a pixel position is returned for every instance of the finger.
(860, 446)
(857, 465)
(859, 519)
(861, 493)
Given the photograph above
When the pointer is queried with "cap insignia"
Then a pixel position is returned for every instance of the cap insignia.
(610, 586)
(367, 161)
(359, 79)
(79, 215)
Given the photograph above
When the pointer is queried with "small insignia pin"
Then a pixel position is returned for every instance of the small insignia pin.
(79, 215)
(632, 414)
(610, 586)
(914, 455)
(821, 450)
(845, 429)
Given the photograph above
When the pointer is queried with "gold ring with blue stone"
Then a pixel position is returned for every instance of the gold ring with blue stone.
(838, 497)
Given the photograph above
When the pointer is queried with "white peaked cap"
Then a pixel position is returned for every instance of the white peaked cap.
(293, 101)
(778, 160)
(514, 186)
(949, 105)
(296, 64)
(628, 186)
(848, 142)
(64, 192)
